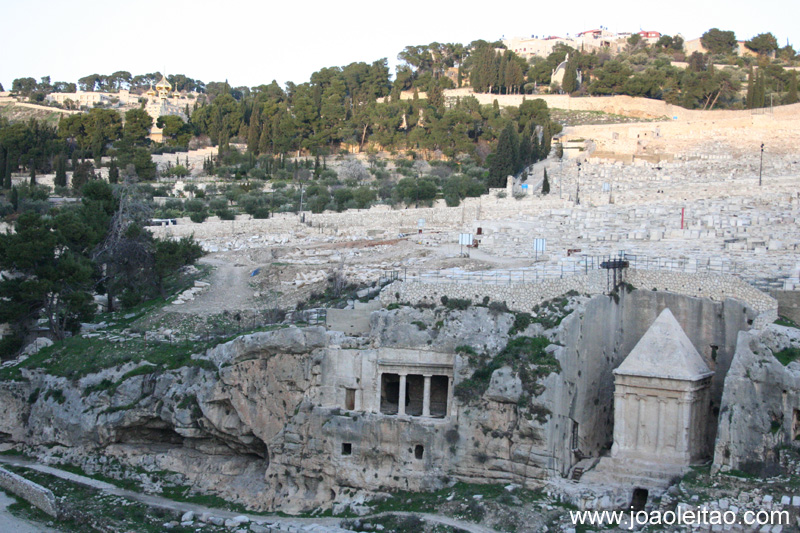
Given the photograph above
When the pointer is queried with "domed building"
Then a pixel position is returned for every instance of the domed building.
(161, 101)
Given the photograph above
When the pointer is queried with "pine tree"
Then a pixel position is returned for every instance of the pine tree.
(791, 95)
(545, 184)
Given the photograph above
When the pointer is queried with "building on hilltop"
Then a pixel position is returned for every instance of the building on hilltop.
(161, 101)
(537, 47)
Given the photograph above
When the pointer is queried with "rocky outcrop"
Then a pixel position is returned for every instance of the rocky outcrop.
(276, 420)
(760, 410)
(214, 426)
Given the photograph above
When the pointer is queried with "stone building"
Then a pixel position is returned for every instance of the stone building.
(661, 399)
(161, 101)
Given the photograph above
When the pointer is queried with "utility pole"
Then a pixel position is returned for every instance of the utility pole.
(761, 165)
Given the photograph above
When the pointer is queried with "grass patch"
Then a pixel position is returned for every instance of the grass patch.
(550, 313)
(430, 502)
(76, 357)
(783, 321)
(524, 355)
(184, 493)
(787, 356)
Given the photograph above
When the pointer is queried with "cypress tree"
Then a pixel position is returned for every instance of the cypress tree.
(545, 184)
(760, 93)
(3, 165)
(750, 89)
(504, 160)
(33, 172)
(61, 171)
(113, 172)
(791, 95)
(525, 148)
(570, 82)
(7, 173)
(15, 198)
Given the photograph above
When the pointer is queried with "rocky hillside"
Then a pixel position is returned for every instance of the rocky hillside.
(258, 420)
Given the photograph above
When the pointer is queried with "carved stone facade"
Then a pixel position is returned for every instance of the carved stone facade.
(661, 398)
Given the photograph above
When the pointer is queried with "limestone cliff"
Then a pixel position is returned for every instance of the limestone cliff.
(760, 409)
(296, 419)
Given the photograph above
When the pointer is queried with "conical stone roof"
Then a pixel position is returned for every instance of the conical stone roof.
(665, 351)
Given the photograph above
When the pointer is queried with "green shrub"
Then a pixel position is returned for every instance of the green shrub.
(226, 214)
(198, 217)
(521, 322)
(459, 304)
(195, 206)
(261, 212)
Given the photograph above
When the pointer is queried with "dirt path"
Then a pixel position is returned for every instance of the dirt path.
(229, 290)
(165, 503)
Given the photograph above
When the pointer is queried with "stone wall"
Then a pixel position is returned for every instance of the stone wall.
(399, 220)
(788, 304)
(524, 296)
(619, 105)
(33, 493)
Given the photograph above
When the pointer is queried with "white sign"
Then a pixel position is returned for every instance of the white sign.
(539, 245)
(465, 239)
(421, 223)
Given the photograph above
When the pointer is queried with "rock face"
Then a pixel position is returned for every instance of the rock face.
(297, 419)
(760, 408)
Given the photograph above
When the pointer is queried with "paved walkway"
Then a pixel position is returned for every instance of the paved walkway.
(330, 524)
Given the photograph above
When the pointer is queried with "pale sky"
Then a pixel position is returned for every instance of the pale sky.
(253, 42)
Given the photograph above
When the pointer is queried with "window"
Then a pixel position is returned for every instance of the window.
(350, 399)
(419, 450)
(347, 448)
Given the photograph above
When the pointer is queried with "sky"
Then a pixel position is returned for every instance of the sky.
(254, 42)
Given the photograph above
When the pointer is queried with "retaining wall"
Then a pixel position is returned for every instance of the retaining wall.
(33, 493)
(524, 296)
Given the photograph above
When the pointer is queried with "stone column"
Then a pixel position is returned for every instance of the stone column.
(661, 428)
(639, 419)
(450, 403)
(684, 407)
(619, 422)
(401, 401)
(426, 396)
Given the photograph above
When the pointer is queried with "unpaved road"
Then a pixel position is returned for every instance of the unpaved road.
(165, 503)
(229, 291)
